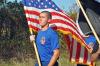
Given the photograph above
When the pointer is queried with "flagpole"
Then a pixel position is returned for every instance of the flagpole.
(79, 4)
(33, 42)
(36, 51)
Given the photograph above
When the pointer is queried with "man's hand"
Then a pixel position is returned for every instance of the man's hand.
(32, 38)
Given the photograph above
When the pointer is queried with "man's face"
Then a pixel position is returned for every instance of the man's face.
(43, 19)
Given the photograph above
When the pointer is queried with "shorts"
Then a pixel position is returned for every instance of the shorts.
(81, 65)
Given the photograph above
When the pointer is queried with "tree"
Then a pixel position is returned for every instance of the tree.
(73, 12)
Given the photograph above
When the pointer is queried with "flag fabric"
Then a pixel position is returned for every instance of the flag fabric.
(92, 9)
(78, 53)
(81, 22)
(60, 22)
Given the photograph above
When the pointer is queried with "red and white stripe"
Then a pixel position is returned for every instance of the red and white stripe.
(78, 53)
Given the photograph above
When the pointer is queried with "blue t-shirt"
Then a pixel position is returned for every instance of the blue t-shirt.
(47, 41)
(90, 39)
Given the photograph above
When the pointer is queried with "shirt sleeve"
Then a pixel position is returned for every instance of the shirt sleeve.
(54, 41)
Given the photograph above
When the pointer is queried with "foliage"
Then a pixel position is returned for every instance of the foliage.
(13, 22)
(73, 12)
(14, 34)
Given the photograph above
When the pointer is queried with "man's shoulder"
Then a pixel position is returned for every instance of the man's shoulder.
(51, 30)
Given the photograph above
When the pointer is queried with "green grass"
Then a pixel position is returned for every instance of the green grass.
(14, 62)
(63, 61)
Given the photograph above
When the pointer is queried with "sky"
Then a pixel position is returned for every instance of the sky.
(63, 4)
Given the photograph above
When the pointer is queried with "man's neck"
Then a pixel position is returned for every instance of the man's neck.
(45, 27)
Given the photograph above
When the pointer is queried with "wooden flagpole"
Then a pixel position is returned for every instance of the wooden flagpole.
(33, 42)
(36, 51)
(95, 34)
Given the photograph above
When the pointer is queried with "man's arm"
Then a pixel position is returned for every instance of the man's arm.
(54, 57)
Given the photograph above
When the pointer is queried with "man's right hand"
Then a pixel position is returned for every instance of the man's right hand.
(32, 38)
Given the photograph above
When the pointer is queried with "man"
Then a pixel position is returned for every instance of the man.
(47, 41)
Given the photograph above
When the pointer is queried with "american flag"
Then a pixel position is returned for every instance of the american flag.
(60, 21)
(78, 53)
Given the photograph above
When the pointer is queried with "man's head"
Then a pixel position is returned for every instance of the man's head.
(44, 18)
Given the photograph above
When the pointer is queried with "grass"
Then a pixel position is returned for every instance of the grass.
(14, 62)
(63, 61)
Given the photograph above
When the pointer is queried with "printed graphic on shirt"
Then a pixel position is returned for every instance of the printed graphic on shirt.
(43, 40)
